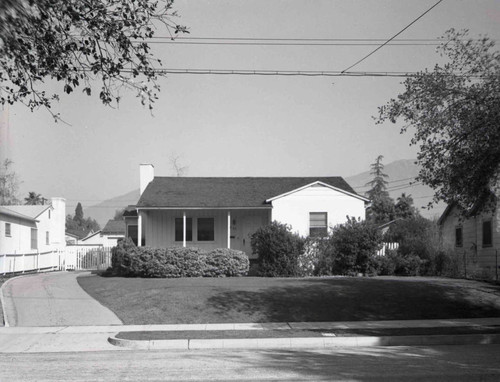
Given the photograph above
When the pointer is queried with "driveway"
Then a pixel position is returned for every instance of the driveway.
(52, 299)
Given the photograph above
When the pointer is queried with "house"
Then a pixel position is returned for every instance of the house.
(30, 229)
(223, 212)
(108, 236)
(476, 237)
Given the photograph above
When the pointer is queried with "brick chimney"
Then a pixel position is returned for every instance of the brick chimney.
(146, 175)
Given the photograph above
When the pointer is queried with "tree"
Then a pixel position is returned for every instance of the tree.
(34, 199)
(9, 184)
(78, 213)
(404, 208)
(119, 214)
(179, 169)
(454, 111)
(77, 42)
(381, 209)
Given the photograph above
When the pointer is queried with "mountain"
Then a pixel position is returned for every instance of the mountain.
(105, 210)
(401, 179)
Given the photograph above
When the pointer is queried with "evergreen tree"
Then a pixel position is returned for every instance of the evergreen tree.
(381, 209)
(78, 213)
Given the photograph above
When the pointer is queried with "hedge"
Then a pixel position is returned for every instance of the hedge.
(131, 261)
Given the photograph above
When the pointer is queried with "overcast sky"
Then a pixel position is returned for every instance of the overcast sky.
(243, 125)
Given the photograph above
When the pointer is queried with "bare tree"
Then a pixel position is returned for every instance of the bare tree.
(176, 164)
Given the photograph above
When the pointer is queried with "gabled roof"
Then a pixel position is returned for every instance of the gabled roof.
(7, 210)
(178, 192)
(30, 211)
(91, 234)
(80, 234)
(116, 227)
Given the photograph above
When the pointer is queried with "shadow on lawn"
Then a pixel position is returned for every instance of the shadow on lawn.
(356, 299)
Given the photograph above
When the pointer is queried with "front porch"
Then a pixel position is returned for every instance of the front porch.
(203, 228)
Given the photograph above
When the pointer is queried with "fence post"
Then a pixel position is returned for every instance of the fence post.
(465, 264)
(38, 261)
(4, 264)
(496, 264)
(23, 263)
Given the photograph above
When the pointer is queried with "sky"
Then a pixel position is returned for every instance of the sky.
(225, 125)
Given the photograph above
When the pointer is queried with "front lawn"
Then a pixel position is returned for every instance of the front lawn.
(249, 299)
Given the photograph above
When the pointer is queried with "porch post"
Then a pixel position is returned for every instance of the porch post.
(228, 229)
(139, 229)
(184, 229)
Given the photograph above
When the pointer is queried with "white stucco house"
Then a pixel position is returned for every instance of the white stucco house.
(32, 229)
(222, 212)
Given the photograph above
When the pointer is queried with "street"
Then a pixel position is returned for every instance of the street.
(443, 363)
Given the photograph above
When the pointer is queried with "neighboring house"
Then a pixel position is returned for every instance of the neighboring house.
(477, 237)
(223, 212)
(108, 236)
(74, 236)
(30, 229)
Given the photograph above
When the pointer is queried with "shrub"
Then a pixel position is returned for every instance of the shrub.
(352, 246)
(278, 249)
(177, 262)
(120, 256)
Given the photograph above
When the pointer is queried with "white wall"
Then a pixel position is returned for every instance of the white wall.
(294, 208)
(20, 239)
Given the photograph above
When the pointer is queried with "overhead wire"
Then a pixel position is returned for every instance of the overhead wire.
(392, 38)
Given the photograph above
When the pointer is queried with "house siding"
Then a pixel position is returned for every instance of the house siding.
(472, 233)
(294, 209)
(159, 227)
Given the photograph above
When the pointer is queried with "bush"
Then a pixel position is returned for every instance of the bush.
(278, 249)
(352, 247)
(177, 262)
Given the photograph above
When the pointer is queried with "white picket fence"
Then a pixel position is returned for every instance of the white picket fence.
(68, 258)
(387, 246)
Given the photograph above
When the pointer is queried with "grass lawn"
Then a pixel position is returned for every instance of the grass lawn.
(253, 299)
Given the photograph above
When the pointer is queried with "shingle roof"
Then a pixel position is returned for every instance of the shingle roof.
(10, 212)
(30, 211)
(225, 192)
(114, 227)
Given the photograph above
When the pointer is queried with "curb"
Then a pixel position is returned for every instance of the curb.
(2, 300)
(306, 342)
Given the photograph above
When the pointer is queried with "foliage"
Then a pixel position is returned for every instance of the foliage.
(34, 199)
(353, 244)
(77, 42)
(79, 223)
(9, 184)
(381, 208)
(119, 214)
(454, 111)
(417, 237)
(404, 208)
(131, 261)
(278, 249)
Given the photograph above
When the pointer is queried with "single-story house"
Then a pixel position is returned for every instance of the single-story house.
(30, 229)
(477, 236)
(222, 212)
(108, 236)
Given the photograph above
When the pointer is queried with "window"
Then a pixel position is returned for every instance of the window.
(318, 224)
(179, 228)
(487, 234)
(7, 229)
(47, 238)
(132, 233)
(458, 237)
(34, 238)
(206, 229)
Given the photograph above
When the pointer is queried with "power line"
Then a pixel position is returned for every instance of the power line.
(289, 73)
(392, 38)
(250, 43)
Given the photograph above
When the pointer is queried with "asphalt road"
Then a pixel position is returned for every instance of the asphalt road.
(52, 299)
(439, 363)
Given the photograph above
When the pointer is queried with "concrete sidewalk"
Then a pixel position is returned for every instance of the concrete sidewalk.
(52, 299)
(101, 338)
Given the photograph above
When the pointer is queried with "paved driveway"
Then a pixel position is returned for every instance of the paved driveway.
(52, 299)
